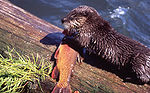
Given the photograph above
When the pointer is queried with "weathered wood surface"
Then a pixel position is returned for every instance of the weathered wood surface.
(29, 34)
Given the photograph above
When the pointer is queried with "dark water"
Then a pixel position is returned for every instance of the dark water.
(129, 17)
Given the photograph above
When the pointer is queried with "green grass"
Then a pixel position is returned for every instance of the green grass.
(18, 73)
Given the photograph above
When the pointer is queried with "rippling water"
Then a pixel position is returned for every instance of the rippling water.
(129, 17)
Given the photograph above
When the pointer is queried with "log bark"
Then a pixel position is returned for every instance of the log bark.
(29, 34)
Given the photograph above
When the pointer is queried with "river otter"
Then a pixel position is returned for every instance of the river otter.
(84, 27)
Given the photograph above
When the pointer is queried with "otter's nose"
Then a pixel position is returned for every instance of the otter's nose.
(63, 20)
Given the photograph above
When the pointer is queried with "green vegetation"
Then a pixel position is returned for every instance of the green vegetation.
(19, 73)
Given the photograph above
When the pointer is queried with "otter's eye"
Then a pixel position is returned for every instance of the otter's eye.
(72, 17)
(80, 19)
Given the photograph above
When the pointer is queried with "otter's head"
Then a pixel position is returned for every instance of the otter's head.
(77, 18)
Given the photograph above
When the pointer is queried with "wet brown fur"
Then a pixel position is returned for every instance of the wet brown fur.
(86, 28)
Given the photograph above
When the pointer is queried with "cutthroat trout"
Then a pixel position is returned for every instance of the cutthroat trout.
(65, 58)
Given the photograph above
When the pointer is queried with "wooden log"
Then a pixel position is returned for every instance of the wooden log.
(29, 34)
(24, 31)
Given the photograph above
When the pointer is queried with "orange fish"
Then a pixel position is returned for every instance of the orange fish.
(65, 57)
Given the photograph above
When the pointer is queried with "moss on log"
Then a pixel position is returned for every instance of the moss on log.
(29, 34)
